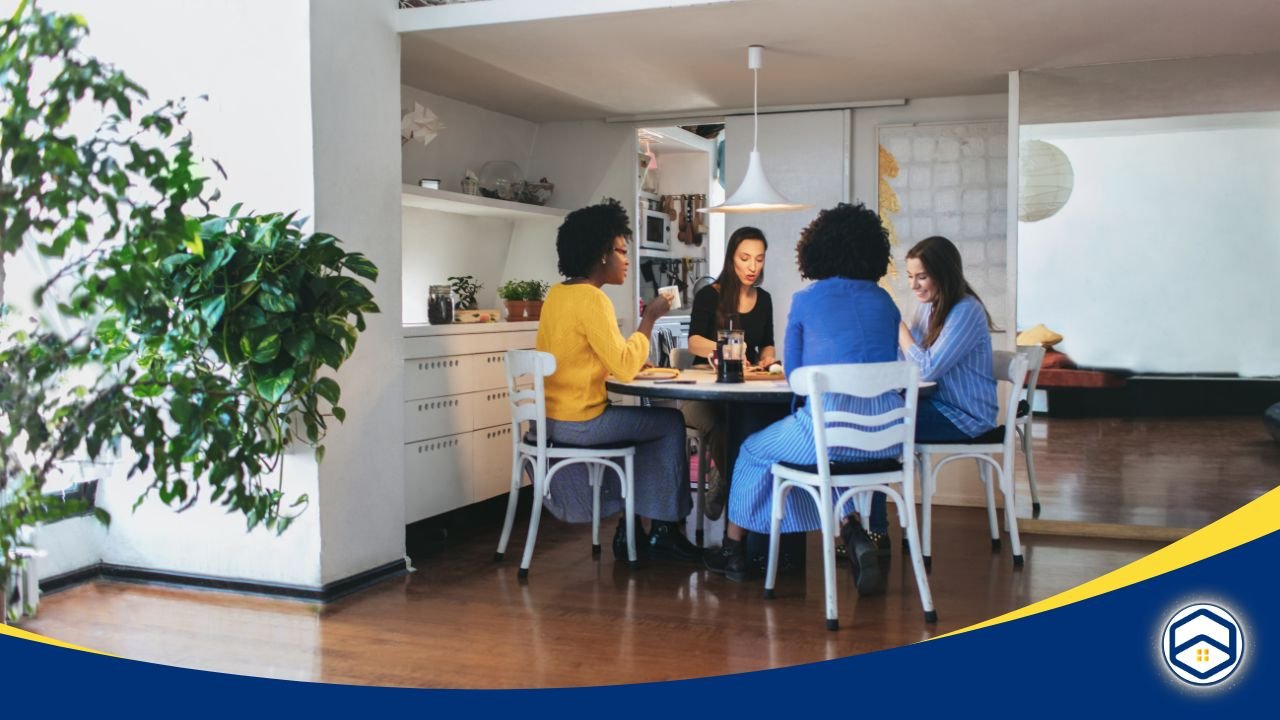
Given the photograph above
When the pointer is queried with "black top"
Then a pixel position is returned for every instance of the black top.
(757, 325)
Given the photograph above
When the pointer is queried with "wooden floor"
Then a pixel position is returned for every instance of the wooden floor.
(1169, 471)
(463, 621)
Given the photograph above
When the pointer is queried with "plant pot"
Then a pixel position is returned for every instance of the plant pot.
(532, 309)
(515, 310)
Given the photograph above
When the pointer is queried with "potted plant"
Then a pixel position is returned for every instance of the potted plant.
(534, 292)
(512, 294)
(192, 348)
(465, 287)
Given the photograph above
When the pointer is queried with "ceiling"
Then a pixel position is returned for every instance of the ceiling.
(693, 58)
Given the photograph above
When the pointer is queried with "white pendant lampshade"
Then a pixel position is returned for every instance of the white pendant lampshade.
(756, 194)
(1045, 180)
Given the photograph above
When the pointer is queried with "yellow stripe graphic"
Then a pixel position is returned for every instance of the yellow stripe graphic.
(1258, 518)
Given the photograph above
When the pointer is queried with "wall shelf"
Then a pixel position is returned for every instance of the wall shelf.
(476, 206)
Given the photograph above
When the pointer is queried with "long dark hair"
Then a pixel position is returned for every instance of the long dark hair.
(728, 283)
(941, 261)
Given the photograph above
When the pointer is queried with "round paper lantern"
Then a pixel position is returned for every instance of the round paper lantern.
(1045, 180)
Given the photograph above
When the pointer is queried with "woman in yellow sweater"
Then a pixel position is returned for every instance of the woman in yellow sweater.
(578, 326)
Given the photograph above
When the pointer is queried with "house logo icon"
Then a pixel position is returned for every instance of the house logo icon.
(1202, 644)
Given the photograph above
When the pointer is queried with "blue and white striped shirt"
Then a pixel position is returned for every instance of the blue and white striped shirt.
(960, 362)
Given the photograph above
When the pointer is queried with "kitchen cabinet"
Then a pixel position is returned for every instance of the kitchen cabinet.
(457, 414)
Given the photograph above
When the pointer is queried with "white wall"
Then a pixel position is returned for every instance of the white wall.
(471, 137)
(1165, 257)
(587, 161)
(355, 59)
(806, 157)
(329, 148)
(248, 56)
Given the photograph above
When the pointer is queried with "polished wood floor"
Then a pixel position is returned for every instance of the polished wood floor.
(461, 620)
(1171, 471)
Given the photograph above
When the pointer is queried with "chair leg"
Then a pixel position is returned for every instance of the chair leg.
(827, 513)
(539, 484)
(1025, 436)
(596, 476)
(703, 459)
(776, 511)
(911, 536)
(926, 509)
(984, 471)
(1010, 512)
(517, 469)
(629, 486)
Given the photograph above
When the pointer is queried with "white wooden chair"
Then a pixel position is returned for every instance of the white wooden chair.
(1026, 418)
(1012, 368)
(525, 372)
(831, 429)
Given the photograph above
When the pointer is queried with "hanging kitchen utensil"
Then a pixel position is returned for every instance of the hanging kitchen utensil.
(687, 220)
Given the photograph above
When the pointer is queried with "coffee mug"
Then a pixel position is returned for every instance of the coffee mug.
(681, 358)
(672, 294)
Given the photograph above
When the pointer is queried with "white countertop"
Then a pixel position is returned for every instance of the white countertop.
(426, 330)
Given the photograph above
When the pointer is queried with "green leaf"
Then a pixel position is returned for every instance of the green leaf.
(299, 344)
(328, 389)
(273, 388)
(361, 265)
(194, 245)
(273, 302)
(340, 413)
(211, 310)
(266, 350)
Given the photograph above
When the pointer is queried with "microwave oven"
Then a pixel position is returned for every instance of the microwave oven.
(655, 230)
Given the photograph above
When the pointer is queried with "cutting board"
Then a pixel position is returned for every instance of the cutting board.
(476, 316)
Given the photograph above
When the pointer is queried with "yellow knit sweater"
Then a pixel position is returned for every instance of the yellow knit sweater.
(578, 327)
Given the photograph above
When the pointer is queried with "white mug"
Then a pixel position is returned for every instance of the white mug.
(672, 294)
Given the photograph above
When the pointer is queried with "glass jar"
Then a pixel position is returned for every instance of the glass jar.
(440, 301)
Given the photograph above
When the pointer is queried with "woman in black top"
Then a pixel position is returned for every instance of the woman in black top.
(733, 300)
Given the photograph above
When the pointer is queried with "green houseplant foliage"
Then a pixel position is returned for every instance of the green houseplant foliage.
(511, 290)
(196, 345)
(465, 287)
(534, 290)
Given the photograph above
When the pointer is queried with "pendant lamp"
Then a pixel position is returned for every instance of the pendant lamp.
(755, 194)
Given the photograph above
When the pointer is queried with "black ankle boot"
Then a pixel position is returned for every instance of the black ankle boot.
(863, 556)
(620, 541)
(730, 560)
(667, 542)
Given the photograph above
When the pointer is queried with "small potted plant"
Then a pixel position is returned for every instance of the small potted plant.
(512, 294)
(523, 298)
(465, 287)
(534, 292)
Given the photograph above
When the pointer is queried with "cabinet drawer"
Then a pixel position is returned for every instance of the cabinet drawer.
(490, 408)
(437, 417)
(489, 370)
(492, 463)
(432, 377)
(436, 476)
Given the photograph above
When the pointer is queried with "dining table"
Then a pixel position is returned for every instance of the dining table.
(746, 407)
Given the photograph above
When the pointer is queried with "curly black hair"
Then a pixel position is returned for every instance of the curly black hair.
(845, 241)
(586, 236)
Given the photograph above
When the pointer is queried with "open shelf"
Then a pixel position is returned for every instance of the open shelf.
(475, 205)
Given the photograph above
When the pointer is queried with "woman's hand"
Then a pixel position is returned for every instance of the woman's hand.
(656, 308)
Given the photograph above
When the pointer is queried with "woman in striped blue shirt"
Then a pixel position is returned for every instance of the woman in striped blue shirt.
(843, 317)
(950, 339)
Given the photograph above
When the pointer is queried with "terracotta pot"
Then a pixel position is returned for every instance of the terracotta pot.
(532, 309)
(515, 310)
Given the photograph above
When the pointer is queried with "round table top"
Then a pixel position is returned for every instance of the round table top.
(705, 387)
